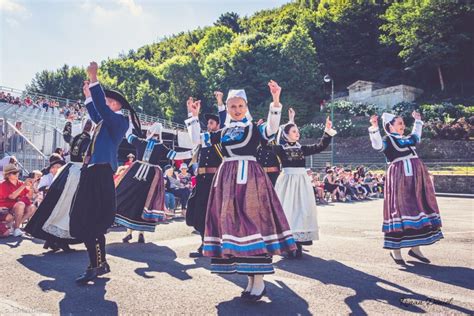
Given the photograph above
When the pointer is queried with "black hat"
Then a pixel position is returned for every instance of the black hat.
(120, 98)
(210, 116)
(54, 160)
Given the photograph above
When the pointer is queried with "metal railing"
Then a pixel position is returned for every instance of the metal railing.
(144, 118)
(15, 143)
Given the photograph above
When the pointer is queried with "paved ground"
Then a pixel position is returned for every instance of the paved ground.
(345, 272)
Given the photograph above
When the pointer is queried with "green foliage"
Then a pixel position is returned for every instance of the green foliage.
(230, 20)
(296, 45)
(351, 108)
(432, 34)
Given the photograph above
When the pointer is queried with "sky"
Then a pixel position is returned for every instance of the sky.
(46, 34)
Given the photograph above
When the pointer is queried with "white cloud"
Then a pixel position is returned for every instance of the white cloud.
(134, 8)
(11, 6)
(111, 9)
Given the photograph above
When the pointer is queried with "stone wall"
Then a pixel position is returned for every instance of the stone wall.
(454, 184)
(359, 149)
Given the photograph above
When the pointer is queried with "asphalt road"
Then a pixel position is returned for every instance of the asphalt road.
(345, 272)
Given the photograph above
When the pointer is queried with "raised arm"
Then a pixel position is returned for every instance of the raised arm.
(98, 96)
(194, 128)
(323, 143)
(417, 126)
(94, 115)
(374, 133)
(221, 108)
(270, 128)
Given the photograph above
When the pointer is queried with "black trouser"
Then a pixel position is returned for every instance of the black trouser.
(96, 250)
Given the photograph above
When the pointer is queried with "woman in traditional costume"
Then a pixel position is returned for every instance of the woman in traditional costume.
(294, 187)
(141, 188)
(245, 222)
(411, 214)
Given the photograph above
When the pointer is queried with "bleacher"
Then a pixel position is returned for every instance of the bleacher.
(32, 133)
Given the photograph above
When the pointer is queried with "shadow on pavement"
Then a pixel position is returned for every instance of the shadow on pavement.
(458, 276)
(158, 259)
(366, 286)
(14, 242)
(88, 299)
(283, 301)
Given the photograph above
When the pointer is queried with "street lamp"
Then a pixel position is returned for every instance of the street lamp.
(328, 78)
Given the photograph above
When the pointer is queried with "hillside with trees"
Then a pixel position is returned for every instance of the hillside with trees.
(429, 44)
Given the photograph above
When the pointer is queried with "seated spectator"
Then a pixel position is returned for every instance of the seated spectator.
(183, 187)
(55, 163)
(131, 159)
(35, 176)
(318, 188)
(5, 161)
(118, 175)
(170, 201)
(331, 185)
(15, 198)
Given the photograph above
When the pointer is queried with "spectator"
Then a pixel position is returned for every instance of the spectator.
(15, 197)
(331, 186)
(131, 159)
(184, 187)
(170, 201)
(55, 162)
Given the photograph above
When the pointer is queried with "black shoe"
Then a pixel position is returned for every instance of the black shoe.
(141, 239)
(422, 259)
(89, 275)
(66, 248)
(104, 268)
(244, 294)
(299, 252)
(196, 254)
(398, 261)
(127, 238)
(255, 298)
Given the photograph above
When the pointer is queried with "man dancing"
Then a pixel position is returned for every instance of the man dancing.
(93, 206)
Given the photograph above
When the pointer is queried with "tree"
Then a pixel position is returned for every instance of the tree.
(183, 78)
(215, 38)
(230, 20)
(431, 34)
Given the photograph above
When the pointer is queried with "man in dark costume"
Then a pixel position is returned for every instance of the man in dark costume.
(93, 207)
(209, 160)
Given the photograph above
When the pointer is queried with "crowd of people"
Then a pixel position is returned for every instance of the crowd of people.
(68, 109)
(341, 184)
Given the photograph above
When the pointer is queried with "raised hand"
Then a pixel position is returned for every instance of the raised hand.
(291, 115)
(260, 122)
(86, 90)
(219, 97)
(374, 120)
(416, 115)
(92, 70)
(328, 123)
(193, 106)
(275, 90)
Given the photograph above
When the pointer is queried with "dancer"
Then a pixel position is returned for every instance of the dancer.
(93, 206)
(51, 220)
(141, 188)
(245, 223)
(209, 159)
(293, 186)
(411, 214)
